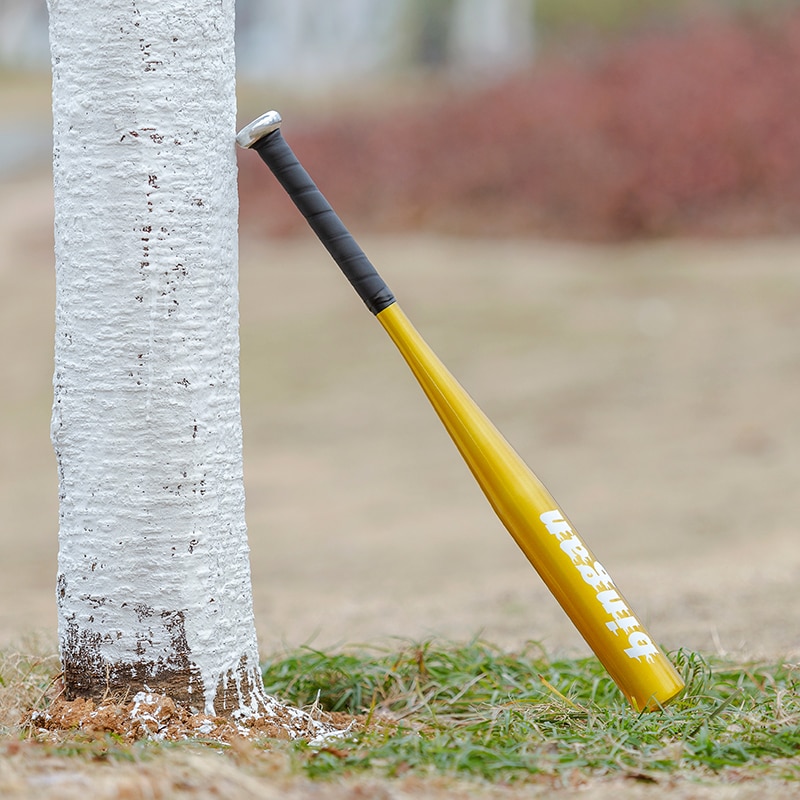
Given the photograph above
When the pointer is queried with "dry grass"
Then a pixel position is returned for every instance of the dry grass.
(26, 680)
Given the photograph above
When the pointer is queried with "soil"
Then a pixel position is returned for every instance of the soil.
(653, 387)
(157, 717)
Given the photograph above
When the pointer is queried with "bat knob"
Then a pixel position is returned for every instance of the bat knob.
(258, 129)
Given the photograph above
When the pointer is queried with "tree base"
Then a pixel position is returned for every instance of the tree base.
(87, 675)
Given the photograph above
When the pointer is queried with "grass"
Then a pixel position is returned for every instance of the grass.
(476, 712)
(25, 678)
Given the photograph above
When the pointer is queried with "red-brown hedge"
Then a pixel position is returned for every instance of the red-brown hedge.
(691, 131)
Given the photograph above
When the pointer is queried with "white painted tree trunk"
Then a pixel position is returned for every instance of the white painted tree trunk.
(154, 580)
(317, 42)
(497, 35)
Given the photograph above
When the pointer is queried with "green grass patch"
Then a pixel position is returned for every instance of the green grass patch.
(475, 710)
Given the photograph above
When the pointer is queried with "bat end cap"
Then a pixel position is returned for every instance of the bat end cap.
(258, 129)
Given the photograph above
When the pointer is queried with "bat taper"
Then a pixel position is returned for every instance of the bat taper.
(575, 577)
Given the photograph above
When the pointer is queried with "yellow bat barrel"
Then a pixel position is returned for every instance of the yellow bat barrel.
(567, 566)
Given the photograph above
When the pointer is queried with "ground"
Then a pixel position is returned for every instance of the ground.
(653, 387)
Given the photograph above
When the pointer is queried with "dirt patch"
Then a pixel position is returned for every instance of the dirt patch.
(159, 718)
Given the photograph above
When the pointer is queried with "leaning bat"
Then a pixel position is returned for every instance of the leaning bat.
(569, 569)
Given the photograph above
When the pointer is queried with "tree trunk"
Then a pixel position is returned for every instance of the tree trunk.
(495, 36)
(153, 576)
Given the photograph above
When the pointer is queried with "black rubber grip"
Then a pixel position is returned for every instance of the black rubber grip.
(330, 230)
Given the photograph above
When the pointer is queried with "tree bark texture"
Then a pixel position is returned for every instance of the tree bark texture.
(153, 576)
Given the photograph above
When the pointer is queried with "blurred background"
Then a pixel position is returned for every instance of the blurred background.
(591, 210)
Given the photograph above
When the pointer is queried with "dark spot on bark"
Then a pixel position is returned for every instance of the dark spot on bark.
(143, 611)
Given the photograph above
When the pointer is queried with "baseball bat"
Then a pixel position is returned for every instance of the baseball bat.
(575, 577)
